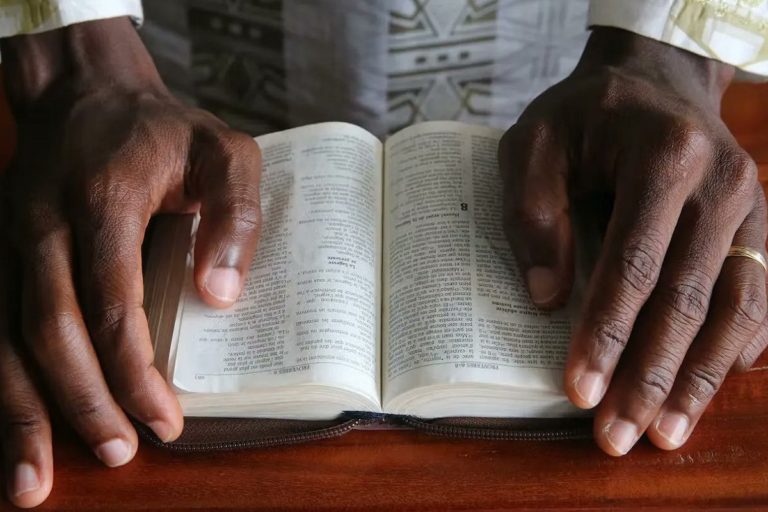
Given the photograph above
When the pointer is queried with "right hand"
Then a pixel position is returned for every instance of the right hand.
(633, 141)
(100, 151)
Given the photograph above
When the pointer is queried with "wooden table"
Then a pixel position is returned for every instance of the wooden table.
(725, 464)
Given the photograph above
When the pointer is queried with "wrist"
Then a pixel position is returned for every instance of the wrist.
(661, 62)
(52, 69)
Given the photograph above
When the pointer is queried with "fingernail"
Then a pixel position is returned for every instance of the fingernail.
(543, 285)
(622, 435)
(224, 284)
(590, 386)
(25, 479)
(162, 429)
(114, 453)
(673, 426)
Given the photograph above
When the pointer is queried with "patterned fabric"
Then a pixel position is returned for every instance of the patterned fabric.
(265, 65)
(732, 31)
(478, 61)
(238, 62)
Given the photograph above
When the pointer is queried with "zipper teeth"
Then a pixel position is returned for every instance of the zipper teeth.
(498, 435)
(269, 442)
(452, 431)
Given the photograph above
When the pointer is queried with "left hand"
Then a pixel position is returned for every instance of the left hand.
(636, 130)
(102, 147)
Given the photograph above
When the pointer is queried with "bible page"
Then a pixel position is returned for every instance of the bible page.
(309, 312)
(456, 309)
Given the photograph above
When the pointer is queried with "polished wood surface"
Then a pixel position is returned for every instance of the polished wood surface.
(724, 465)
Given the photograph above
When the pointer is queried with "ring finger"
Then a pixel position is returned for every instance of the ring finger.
(736, 314)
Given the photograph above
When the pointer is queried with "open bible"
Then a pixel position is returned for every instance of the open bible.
(383, 282)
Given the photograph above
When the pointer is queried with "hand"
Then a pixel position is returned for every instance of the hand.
(102, 147)
(635, 134)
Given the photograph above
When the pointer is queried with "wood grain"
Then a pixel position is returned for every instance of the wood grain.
(725, 464)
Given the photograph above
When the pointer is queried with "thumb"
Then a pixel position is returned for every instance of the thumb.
(536, 211)
(225, 176)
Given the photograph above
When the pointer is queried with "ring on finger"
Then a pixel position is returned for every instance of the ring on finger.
(748, 252)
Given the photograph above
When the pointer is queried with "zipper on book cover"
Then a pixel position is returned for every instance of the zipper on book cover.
(491, 434)
(265, 442)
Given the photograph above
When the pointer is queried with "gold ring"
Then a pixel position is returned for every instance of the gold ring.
(748, 252)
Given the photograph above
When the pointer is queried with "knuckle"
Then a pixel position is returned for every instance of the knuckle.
(527, 135)
(43, 248)
(133, 389)
(748, 306)
(743, 363)
(654, 384)
(702, 382)
(529, 149)
(688, 301)
(747, 358)
(86, 407)
(614, 84)
(235, 193)
(52, 332)
(540, 132)
(688, 138)
(535, 215)
(740, 172)
(109, 194)
(246, 218)
(686, 148)
(107, 319)
(751, 352)
(240, 153)
(23, 420)
(115, 244)
(110, 316)
(610, 337)
(641, 264)
(242, 142)
(39, 223)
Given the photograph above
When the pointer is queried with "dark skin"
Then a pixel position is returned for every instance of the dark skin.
(666, 316)
(103, 147)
